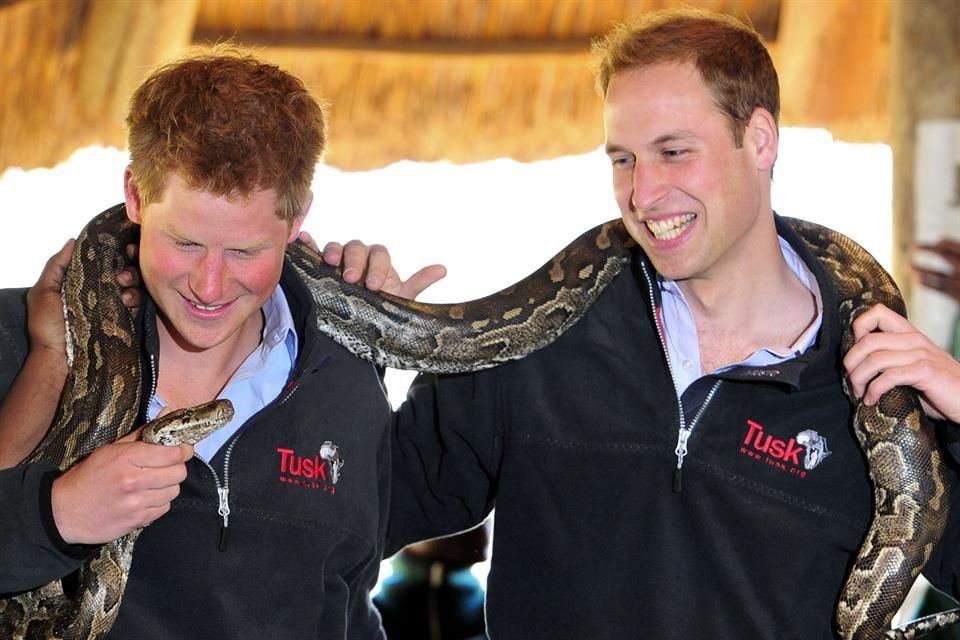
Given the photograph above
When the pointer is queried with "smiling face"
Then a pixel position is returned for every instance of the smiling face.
(694, 201)
(209, 263)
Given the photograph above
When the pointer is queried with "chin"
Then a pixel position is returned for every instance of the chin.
(191, 340)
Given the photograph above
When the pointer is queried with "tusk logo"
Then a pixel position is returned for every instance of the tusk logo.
(816, 446)
(319, 471)
(331, 454)
(785, 454)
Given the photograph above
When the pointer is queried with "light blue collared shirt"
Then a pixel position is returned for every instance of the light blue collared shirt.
(680, 330)
(259, 379)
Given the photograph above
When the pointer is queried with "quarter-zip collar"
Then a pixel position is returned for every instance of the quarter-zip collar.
(693, 403)
(686, 423)
(826, 347)
(790, 372)
(309, 359)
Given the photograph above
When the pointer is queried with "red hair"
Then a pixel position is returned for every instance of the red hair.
(229, 124)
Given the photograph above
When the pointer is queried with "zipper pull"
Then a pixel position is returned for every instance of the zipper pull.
(224, 509)
(681, 452)
(224, 512)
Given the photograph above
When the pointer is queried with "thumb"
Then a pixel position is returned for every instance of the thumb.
(420, 281)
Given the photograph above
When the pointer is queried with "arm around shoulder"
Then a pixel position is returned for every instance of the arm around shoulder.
(30, 404)
(445, 456)
(29, 407)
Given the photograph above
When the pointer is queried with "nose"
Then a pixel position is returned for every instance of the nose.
(649, 186)
(208, 277)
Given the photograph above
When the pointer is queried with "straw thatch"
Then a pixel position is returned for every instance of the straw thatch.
(463, 80)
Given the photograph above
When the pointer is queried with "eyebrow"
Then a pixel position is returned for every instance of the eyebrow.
(613, 148)
(666, 138)
(673, 136)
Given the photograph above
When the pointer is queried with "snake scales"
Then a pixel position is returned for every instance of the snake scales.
(100, 401)
(103, 392)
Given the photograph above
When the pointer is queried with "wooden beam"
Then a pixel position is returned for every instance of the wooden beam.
(121, 43)
(832, 59)
(318, 46)
(69, 68)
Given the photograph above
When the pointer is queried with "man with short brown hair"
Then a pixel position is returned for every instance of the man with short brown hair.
(680, 463)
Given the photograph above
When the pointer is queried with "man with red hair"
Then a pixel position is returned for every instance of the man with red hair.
(273, 526)
(650, 468)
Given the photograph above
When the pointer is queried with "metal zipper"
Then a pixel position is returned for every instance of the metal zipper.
(154, 375)
(683, 434)
(223, 489)
(223, 492)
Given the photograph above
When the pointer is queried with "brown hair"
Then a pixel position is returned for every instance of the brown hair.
(729, 56)
(226, 123)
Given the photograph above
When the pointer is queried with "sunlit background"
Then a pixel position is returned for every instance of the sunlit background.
(490, 223)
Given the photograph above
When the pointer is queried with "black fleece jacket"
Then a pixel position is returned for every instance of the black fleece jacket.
(300, 551)
(596, 534)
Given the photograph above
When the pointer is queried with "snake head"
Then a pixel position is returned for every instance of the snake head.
(190, 425)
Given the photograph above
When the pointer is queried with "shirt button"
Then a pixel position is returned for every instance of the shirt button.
(687, 365)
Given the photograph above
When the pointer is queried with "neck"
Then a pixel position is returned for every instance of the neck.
(734, 293)
(761, 307)
(190, 376)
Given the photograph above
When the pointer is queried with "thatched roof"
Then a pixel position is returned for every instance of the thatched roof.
(462, 80)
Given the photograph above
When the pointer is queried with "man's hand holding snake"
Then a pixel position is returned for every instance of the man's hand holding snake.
(889, 351)
(117, 488)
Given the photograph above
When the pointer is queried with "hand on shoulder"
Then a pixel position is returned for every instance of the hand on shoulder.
(372, 265)
(889, 351)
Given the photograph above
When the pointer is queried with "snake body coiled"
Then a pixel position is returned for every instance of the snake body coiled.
(470, 336)
(99, 404)
(103, 393)
(911, 492)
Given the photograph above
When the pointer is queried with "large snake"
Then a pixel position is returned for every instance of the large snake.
(99, 404)
(911, 496)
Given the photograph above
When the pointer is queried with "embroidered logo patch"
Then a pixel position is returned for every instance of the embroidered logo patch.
(796, 455)
(319, 471)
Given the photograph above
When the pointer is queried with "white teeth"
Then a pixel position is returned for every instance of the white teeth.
(204, 307)
(670, 228)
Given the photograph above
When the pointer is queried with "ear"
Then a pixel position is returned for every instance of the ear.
(131, 195)
(298, 221)
(762, 137)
